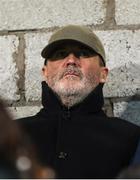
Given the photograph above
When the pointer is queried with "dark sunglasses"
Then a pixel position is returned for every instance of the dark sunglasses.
(79, 53)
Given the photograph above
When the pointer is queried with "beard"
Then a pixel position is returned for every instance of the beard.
(71, 85)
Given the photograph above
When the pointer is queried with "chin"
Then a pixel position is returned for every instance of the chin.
(71, 78)
(72, 83)
(69, 87)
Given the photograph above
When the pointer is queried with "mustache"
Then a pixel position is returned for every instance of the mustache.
(71, 70)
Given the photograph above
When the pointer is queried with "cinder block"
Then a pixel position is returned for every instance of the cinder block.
(25, 14)
(123, 60)
(127, 12)
(128, 110)
(8, 70)
(35, 42)
(25, 111)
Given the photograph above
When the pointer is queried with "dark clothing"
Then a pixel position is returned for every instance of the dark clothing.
(81, 142)
(8, 169)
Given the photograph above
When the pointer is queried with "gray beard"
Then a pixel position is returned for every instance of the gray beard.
(72, 91)
(72, 97)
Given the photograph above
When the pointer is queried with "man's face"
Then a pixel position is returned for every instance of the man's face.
(73, 71)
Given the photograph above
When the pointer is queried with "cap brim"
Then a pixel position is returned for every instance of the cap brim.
(54, 45)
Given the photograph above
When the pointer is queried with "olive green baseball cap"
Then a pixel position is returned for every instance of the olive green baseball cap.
(80, 34)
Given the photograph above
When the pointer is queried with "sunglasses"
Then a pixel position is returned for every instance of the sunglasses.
(78, 53)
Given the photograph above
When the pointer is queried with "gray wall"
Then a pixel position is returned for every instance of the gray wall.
(26, 25)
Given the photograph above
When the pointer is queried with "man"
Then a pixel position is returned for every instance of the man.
(72, 133)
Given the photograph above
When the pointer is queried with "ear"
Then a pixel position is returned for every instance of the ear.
(103, 75)
(44, 71)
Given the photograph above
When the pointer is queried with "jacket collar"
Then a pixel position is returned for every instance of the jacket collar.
(92, 103)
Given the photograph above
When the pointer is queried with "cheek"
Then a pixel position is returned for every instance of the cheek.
(52, 69)
(90, 68)
(92, 72)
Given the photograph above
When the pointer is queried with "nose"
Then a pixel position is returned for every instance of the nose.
(71, 59)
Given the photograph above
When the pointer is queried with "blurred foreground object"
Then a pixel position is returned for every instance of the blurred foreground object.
(17, 155)
(132, 172)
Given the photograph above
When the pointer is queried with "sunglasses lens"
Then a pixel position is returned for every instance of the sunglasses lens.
(58, 54)
(85, 53)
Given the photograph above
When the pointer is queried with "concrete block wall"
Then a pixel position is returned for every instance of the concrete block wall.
(25, 27)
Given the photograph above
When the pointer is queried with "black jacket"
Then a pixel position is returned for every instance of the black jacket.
(81, 142)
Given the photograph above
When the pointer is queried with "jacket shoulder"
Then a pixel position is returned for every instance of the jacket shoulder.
(30, 119)
(31, 123)
(27, 119)
(125, 126)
